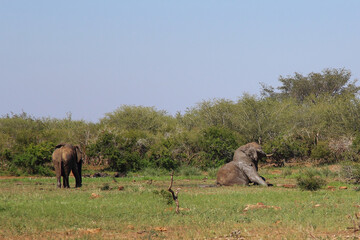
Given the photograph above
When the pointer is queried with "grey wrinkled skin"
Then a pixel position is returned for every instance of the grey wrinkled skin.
(66, 158)
(243, 169)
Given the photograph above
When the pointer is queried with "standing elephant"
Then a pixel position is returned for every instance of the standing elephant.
(66, 158)
(243, 169)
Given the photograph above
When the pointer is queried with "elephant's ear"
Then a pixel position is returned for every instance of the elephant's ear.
(60, 145)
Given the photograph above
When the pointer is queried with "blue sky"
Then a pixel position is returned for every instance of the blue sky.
(89, 57)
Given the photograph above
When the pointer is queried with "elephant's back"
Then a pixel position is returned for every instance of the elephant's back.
(67, 153)
(56, 155)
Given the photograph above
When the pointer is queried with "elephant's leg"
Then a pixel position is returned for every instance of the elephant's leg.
(57, 166)
(58, 182)
(66, 176)
(75, 171)
(256, 179)
(64, 182)
(252, 174)
(67, 185)
(79, 167)
(255, 183)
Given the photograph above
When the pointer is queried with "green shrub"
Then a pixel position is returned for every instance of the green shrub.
(35, 159)
(326, 172)
(162, 154)
(350, 155)
(5, 160)
(123, 161)
(123, 153)
(353, 153)
(218, 144)
(351, 172)
(287, 148)
(310, 181)
(6, 155)
(164, 196)
(356, 144)
(321, 151)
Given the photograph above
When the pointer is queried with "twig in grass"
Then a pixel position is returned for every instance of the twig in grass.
(356, 222)
(174, 195)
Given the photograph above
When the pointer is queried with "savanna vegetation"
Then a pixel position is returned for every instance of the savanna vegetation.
(310, 124)
(139, 207)
(314, 117)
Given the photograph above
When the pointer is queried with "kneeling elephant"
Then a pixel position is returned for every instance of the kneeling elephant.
(243, 169)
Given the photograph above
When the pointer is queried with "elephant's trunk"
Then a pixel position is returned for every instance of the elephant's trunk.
(259, 180)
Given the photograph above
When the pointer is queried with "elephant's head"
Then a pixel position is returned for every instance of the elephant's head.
(254, 152)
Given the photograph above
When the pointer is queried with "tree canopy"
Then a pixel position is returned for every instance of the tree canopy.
(331, 82)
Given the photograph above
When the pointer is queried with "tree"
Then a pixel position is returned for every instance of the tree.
(125, 152)
(261, 119)
(216, 112)
(138, 118)
(19, 131)
(331, 82)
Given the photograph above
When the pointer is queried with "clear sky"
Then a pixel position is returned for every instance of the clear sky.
(89, 57)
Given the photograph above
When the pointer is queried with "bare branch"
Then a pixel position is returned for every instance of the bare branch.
(174, 195)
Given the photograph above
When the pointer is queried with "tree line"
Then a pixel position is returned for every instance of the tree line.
(314, 117)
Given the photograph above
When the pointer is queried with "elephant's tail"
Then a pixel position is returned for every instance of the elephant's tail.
(61, 166)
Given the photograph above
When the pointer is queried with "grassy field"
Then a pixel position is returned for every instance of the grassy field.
(32, 208)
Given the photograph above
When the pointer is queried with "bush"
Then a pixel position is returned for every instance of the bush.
(35, 159)
(287, 148)
(356, 144)
(321, 151)
(164, 196)
(326, 172)
(162, 154)
(351, 172)
(219, 144)
(5, 160)
(122, 161)
(310, 181)
(123, 153)
(6, 155)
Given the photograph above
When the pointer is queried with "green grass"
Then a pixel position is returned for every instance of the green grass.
(34, 208)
